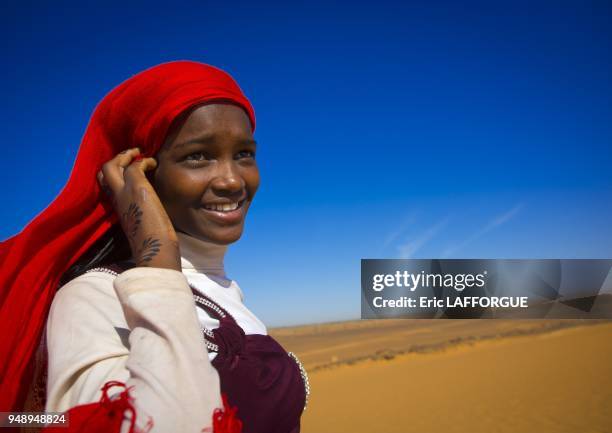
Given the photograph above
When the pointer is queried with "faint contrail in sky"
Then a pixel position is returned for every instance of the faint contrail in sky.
(410, 219)
(408, 249)
(494, 223)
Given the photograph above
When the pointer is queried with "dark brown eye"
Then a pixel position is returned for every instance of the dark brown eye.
(245, 154)
(196, 157)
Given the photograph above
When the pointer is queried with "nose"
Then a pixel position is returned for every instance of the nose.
(227, 180)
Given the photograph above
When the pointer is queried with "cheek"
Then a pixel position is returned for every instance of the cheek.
(181, 188)
(251, 178)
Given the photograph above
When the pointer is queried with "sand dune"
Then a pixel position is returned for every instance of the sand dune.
(456, 375)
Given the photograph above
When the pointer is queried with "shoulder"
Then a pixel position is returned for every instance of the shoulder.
(94, 282)
(238, 290)
(91, 283)
(85, 312)
(89, 297)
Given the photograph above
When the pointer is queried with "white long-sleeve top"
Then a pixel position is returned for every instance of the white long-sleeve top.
(143, 328)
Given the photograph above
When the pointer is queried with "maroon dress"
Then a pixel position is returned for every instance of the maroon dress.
(267, 384)
(256, 373)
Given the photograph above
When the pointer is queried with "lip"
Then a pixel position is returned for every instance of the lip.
(231, 217)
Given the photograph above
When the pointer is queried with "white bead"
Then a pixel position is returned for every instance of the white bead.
(304, 375)
(100, 269)
(214, 347)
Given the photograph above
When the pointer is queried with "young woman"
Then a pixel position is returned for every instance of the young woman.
(146, 332)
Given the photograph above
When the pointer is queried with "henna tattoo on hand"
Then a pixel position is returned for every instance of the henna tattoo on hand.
(150, 248)
(131, 220)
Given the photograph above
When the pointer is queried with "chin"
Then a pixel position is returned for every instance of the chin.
(223, 237)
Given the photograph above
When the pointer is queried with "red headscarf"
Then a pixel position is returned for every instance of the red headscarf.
(137, 113)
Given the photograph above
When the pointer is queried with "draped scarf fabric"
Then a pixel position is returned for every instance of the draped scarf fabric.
(137, 113)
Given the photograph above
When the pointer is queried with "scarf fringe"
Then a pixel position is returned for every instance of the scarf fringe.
(226, 420)
(89, 418)
(121, 404)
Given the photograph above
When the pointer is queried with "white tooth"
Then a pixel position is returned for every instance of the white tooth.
(226, 207)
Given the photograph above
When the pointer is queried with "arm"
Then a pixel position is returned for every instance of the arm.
(167, 364)
(165, 360)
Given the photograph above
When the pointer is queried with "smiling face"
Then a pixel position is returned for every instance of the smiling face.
(207, 176)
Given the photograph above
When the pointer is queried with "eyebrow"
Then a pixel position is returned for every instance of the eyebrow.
(209, 137)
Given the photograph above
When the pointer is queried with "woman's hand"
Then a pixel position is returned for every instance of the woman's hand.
(143, 218)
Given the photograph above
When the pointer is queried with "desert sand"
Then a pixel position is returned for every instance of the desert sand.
(446, 376)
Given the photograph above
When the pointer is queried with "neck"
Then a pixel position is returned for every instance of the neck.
(202, 256)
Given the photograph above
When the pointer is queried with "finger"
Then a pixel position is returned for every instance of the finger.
(105, 188)
(138, 168)
(113, 169)
(148, 164)
(125, 157)
(101, 181)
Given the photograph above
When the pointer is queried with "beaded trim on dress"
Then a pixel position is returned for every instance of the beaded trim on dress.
(207, 302)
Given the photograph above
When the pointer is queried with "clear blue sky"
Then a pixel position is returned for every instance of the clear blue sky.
(455, 130)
